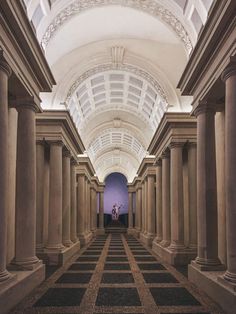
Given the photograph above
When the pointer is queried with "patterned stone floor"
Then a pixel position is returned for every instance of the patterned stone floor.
(116, 274)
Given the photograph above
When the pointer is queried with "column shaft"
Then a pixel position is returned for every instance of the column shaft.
(5, 72)
(101, 210)
(165, 199)
(229, 76)
(66, 199)
(40, 194)
(151, 212)
(192, 184)
(81, 206)
(26, 188)
(159, 233)
(143, 207)
(73, 221)
(206, 188)
(130, 210)
(55, 198)
(177, 204)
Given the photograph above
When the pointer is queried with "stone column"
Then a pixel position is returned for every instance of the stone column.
(146, 205)
(158, 201)
(66, 198)
(151, 211)
(165, 199)
(12, 148)
(101, 211)
(55, 198)
(88, 201)
(130, 213)
(93, 208)
(25, 257)
(138, 212)
(192, 188)
(5, 73)
(143, 207)
(207, 258)
(81, 206)
(73, 221)
(40, 147)
(229, 77)
(176, 190)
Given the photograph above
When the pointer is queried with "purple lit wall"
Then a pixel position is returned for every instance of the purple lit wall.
(116, 191)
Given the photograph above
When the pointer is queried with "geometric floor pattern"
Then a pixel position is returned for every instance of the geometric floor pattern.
(117, 274)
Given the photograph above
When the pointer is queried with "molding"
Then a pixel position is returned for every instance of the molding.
(149, 6)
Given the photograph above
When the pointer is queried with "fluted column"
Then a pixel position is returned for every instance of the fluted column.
(192, 185)
(165, 199)
(73, 221)
(101, 210)
(151, 212)
(177, 204)
(130, 212)
(40, 163)
(81, 206)
(25, 257)
(206, 188)
(229, 77)
(5, 73)
(66, 198)
(159, 235)
(55, 198)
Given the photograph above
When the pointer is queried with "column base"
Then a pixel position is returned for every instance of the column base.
(85, 238)
(19, 286)
(51, 257)
(67, 243)
(212, 265)
(174, 257)
(100, 231)
(214, 284)
(137, 233)
(131, 231)
(147, 238)
(25, 265)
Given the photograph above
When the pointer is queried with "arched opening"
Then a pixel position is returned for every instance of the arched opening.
(116, 200)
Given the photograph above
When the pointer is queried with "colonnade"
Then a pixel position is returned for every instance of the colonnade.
(166, 208)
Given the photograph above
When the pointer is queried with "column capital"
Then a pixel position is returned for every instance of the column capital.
(23, 103)
(158, 162)
(74, 162)
(165, 154)
(56, 143)
(66, 153)
(191, 144)
(4, 66)
(230, 70)
(205, 106)
(176, 144)
(40, 142)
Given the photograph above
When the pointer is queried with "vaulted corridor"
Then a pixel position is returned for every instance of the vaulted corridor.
(117, 274)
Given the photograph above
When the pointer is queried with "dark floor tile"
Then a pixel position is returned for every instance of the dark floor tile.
(75, 278)
(117, 259)
(113, 278)
(173, 297)
(109, 266)
(183, 270)
(159, 278)
(138, 248)
(78, 266)
(116, 253)
(145, 258)
(118, 297)
(151, 266)
(61, 297)
(50, 269)
(141, 253)
(88, 259)
(92, 253)
(186, 313)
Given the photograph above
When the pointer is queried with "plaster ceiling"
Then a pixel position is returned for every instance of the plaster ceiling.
(117, 64)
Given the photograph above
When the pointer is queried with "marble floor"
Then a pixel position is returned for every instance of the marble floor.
(116, 274)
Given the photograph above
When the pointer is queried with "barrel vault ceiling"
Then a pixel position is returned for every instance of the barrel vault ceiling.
(117, 64)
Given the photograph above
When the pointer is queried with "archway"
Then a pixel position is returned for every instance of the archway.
(116, 199)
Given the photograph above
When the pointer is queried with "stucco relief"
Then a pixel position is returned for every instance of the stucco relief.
(148, 6)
